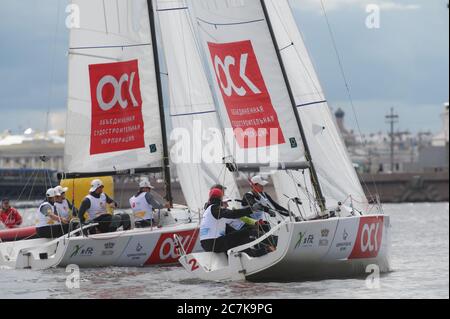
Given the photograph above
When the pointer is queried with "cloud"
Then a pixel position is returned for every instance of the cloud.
(330, 5)
(57, 120)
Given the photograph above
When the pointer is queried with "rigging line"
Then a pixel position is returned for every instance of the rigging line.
(106, 19)
(347, 86)
(111, 46)
(101, 32)
(304, 191)
(231, 23)
(208, 33)
(52, 71)
(287, 46)
(312, 103)
(26, 184)
(32, 185)
(192, 114)
(95, 57)
(312, 202)
(118, 15)
(172, 9)
(47, 172)
(203, 58)
(183, 38)
(319, 92)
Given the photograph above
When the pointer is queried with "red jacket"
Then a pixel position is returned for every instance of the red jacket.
(10, 217)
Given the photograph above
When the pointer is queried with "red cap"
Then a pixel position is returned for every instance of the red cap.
(215, 193)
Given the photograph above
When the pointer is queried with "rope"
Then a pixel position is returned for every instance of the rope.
(347, 86)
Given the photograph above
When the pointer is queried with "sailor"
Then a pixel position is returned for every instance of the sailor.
(63, 207)
(257, 195)
(143, 204)
(95, 205)
(50, 225)
(232, 224)
(9, 216)
(213, 236)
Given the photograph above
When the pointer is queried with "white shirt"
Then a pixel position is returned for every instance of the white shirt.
(44, 219)
(142, 210)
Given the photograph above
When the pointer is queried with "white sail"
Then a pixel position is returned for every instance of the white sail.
(336, 173)
(253, 100)
(113, 120)
(193, 114)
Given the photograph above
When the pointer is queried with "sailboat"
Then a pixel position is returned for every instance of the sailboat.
(115, 126)
(263, 84)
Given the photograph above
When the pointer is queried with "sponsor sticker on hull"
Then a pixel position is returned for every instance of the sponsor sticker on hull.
(166, 251)
(369, 238)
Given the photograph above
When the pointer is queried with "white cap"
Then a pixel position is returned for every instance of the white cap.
(259, 180)
(51, 192)
(61, 189)
(96, 183)
(145, 184)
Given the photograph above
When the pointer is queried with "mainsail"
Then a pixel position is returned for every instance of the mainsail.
(335, 171)
(253, 100)
(198, 142)
(113, 119)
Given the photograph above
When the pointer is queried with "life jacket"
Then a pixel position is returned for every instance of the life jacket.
(142, 210)
(212, 228)
(98, 206)
(63, 209)
(45, 220)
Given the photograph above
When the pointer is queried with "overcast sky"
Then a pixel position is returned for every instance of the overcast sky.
(403, 64)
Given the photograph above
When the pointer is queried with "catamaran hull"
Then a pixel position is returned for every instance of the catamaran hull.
(17, 233)
(134, 248)
(334, 248)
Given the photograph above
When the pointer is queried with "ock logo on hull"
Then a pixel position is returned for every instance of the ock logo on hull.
(165, 251)
(117, 123)
(369, 238)
(245, 95)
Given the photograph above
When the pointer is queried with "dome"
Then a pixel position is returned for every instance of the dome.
(339, 113)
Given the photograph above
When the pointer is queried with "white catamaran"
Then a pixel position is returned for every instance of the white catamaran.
(115, 125)
(263, 78)
(232, 65)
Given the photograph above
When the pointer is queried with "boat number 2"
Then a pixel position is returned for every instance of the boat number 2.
(194, 264)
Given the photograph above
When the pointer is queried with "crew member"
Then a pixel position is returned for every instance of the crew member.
(50, 225)
(63, 206)
(9, 216)
(232, 224)
(143, 204)
(213, 236)
(95, 205)
(257, 195)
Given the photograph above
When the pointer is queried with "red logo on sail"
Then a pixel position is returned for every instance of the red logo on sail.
(117, 123)
(247, 100)
(369, 238)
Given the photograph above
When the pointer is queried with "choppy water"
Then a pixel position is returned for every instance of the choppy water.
(420, 262)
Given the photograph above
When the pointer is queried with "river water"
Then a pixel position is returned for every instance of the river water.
(420, 264)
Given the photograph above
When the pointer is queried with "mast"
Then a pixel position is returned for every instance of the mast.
(166, 162)
(314, 177)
